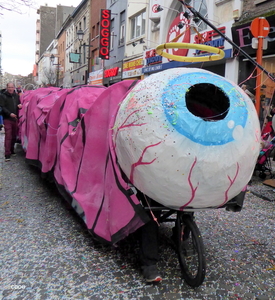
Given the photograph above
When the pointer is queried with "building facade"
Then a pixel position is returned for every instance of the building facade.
(81, 22)
(47, 27)
(137, 28)
(96, 74)
(112, 68)
(174, 20)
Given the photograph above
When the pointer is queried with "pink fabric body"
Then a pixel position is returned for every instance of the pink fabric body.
(69, 132)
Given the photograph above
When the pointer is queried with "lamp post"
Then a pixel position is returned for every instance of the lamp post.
(52, 58)
(80, 36)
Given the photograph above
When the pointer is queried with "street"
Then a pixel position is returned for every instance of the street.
(47, 253)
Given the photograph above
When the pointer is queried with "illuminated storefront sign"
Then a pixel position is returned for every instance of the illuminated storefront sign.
(104, 37)
(111, 72)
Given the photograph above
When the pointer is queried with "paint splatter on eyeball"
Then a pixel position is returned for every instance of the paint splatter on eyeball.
(187, 138)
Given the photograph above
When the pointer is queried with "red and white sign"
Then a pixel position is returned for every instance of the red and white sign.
(154, 13)
(260, 27)
(104, 36)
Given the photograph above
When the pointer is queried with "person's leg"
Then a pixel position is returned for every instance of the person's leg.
(14, 136)
(1, 122)
(149, 244)
(8, 137)
(149, 251)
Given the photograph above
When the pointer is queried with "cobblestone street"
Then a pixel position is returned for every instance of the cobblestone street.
(46, 252)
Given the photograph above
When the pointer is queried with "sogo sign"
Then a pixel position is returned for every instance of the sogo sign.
(104, 42)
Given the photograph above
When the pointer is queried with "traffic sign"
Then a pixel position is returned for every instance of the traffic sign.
(260, 27)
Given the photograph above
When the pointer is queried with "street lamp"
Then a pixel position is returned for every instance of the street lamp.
(52, 58)
(80, 35)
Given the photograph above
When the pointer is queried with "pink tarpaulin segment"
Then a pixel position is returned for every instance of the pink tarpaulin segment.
(47, 130)
(69, 132)
(48, 146)
(78, 101)
(30, 114)
(88, 170)
(66, 112)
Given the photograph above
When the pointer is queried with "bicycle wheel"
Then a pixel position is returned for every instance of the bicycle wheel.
(190, 250)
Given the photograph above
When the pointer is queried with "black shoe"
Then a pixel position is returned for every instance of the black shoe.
(7, 157)
(151, 274)
(13, 154)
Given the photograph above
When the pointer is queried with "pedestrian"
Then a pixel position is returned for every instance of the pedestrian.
(10, 103)
(19, 90)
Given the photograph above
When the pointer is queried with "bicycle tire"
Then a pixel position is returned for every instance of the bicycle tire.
(190, 248)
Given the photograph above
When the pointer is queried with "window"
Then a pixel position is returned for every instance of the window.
(201, 7)
(138, 25)
(84, 23)
(122, 34)
(84, 53)
(93, 32)
(112, 40)
(112, 37)
(122, 28)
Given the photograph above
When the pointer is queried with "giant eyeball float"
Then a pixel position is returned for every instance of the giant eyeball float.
(187, 137)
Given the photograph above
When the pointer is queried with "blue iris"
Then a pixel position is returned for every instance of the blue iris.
(193, 127)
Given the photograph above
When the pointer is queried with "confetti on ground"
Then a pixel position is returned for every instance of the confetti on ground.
(46, 252)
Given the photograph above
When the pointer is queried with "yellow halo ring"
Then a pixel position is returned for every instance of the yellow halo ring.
(219, 53)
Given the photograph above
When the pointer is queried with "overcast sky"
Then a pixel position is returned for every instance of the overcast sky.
(18, 37)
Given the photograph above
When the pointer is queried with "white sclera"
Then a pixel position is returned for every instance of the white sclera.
(180, 171)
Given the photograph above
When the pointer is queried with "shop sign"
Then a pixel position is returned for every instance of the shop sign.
(111, 72)
(209, 38)
(104, 37)
(132, 68)
(95, 78)
(152, 58)
(153, 68)
(242, 36)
